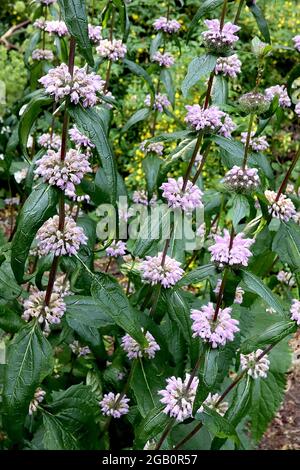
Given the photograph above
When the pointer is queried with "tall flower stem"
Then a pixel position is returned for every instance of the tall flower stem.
(192, 160)
(247, 144)
(63, 151)
(288, 174)
(224, 279)
(202, 163)
(223, 14)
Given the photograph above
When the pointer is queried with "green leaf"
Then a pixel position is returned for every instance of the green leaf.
(254, 284)
(240, 209)
(138, 116)
(216, 424)
(179, 312)
(113, 301)
(86, 310)
(197, 275)
(29, 361)
(271, 335)
(260, 20)
(74, 15)
(29, 116)
(286, 244)
(140, 72)
(166, 78)
(234, 154)
(159, 221)
(122, 7)
(10, 321)
(155, 44)
(89, 122)
(9, 289)
(38, 207)
(240, 402)
(203, 10)
(151, 165)
(69, 421)
(220, 90)
(267, 395)
(198, 68)
(151, 426)
(146, 382)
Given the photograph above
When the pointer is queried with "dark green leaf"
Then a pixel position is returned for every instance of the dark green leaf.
(267, 395)
(140, 72)
(198, 68)
(271, 335)
(29, 116)
(30, 361)
(254, 284)
(113, 301)
(240, 402)
(156, 43)
(166, 78)
(38, 207)
(90, 123)
(145, 383)
(10, 321)
(9, 289)
(220, 90)
(197, 275)
(216, 424)
(151, 426)
(286, 244)
(138, 116)
(260, 20)
(151, 165)
(240, 209)
(234, 154)
(74, 14)
(69, 421)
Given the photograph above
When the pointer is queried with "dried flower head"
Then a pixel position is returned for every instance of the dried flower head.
(254, 103)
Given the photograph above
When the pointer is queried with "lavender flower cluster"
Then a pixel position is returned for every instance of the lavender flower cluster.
(82, 87)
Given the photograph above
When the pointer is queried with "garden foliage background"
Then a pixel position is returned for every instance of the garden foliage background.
(82, 359)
